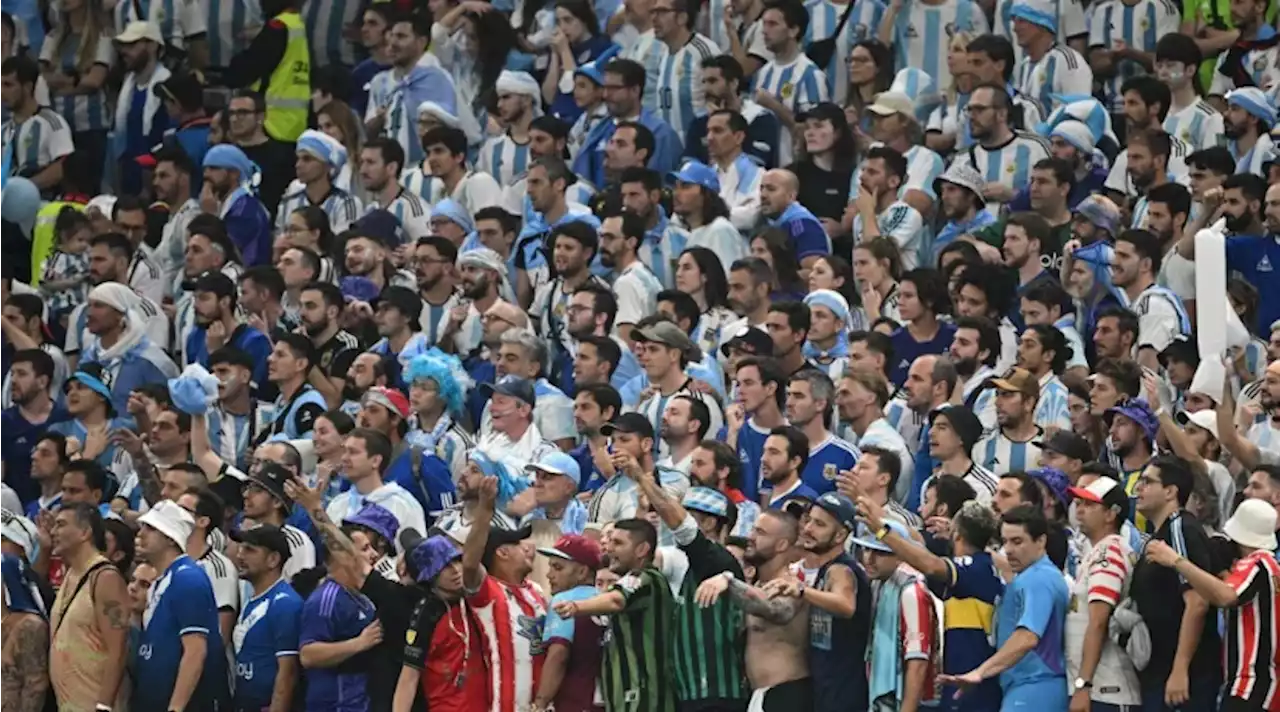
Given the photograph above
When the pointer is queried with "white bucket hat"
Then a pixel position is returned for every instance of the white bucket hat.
(1253, 525)
(171, 520)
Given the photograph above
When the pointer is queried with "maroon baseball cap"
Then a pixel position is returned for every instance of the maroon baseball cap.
(576, 548)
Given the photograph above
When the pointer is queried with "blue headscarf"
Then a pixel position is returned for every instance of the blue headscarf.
(840, 307)
(510, 483)
(20, 592)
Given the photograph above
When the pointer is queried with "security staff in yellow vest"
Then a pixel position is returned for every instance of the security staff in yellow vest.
(278, 64)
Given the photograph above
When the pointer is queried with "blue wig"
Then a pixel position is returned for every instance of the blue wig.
(446, 370)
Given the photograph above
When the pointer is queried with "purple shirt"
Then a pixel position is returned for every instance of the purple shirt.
(333, 614)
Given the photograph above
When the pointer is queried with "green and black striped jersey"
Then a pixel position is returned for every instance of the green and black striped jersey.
(708, 643)
(635, 675)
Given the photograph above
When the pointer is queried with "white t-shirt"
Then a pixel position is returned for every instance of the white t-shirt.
(391, 497)
(224, 577)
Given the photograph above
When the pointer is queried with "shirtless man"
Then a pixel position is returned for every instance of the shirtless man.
(777, 628)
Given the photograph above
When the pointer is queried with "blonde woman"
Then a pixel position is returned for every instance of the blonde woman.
(947, 128)
(338, 121)
(75, 60)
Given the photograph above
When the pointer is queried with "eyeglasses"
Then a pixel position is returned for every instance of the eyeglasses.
(1147, 481)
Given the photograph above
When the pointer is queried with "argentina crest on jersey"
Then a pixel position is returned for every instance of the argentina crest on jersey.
(829, 472)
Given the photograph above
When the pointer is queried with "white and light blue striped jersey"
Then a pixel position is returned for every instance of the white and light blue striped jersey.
(37, 142)
(177, 19)
(1253, 160)
(1061, 71)
(476, 189)
(386, 93)
(1071, 23)
(550, 309)
(341, 207)
(326, 20)
(1139, 25)
(906, 421)
(740, 190)
(655, 405)
(1118, 178)
(227, 25)
(721, 237)
(1263, 65)
(680, 96)
(798, 85)
(662, 246)
(1052, 410)
(82, 112)
(433, 318)
(1000, 455)
(905, 225)
(711, 22)
(636, 289)
(504, 158)
(922, 33)
(649, 52)
(1008, 164)
(412, 212)
(230, 435)
(582, 127)
(414, 347)
(1198, 125)
(923, 167)
(824, 17)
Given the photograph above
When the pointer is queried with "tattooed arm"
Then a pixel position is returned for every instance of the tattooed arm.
(344, 558)
(111, 614)
(26, 675)
(779, 610)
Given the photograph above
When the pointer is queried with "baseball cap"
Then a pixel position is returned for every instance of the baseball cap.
(840, 507)
(1068, 444)
(750, 339)
(1102, 490)
(216, 283)
(271, 477)
(668, 334)
(825, 111)
(500, 537)
(138, 31)
(875, 544)
(576, 548)
(1018, 380)
(1203, 419)
(267, 536)
(557, 463)
(888, 103)
(514, 387)
(698, 173)
(632, 423)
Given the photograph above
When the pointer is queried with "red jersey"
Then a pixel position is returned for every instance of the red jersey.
(919, 629)
(511, 619)
(454, 678)
(1251, 656)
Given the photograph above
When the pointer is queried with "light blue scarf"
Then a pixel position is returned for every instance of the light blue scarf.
(839, 350)
(886, 668)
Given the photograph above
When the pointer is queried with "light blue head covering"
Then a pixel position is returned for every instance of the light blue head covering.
(455, 213)
(1252, 100)
(20, 203)
(436, 365)
(1037, 12)
(510, 483)
(230, 157)
(920, 88)
(325, 148)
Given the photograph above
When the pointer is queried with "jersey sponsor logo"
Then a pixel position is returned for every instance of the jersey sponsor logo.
(1264, 264)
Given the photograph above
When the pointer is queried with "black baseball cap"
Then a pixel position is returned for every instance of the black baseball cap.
(753, 340)
(1068, 444)
(403, 300)
(267, 536)
(271, 477)
(499, 537)
(513, 386)
(632, 423)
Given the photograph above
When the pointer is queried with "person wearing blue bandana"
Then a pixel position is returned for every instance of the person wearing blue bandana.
(231, 182)
(959, 190)
(1248, 122)
(779, 193)
(320, 159)
(120, 345)
(828, 337)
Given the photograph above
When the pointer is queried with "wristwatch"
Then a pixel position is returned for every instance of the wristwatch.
(1083, 684)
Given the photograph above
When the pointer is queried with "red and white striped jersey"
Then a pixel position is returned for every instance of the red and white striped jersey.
(1103, 576)
(1251, 654)
(920, 629)
(511, 619)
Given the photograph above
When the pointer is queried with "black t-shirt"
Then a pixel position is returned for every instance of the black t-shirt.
(337, 353)
(824, 193)
(396, 604)
(1158, 592)
(276, 159)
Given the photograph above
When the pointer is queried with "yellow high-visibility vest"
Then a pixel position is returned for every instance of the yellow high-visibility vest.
(43, 239)
(288, 93)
